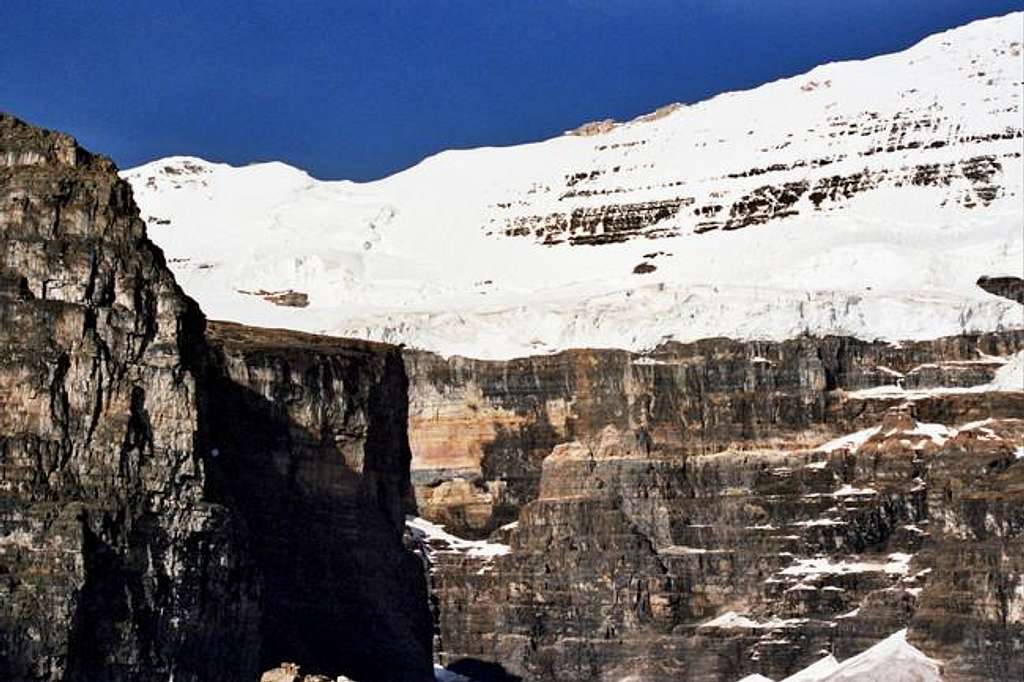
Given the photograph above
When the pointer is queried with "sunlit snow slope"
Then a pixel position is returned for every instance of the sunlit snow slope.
(891, 660)
(861, 198)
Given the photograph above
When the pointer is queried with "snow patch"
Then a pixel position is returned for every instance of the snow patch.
(441, 541)
(442, 674)
(849, 442)
(897, 564)
(1010, 377)
(893, 660)
(816, 672)
(731, 619)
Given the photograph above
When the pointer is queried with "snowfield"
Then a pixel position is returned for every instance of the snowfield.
(861, 198)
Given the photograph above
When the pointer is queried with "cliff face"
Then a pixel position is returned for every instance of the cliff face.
(170, 510)
(703, 512)
(480, 430)
(312, 452)
(105, 527)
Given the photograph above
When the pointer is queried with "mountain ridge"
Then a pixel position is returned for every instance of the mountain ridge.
(820, 204)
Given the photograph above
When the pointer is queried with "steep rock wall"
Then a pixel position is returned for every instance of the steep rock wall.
(114, 564)
(690, 514)
(311, 450)
(172, 509)
(479, 430)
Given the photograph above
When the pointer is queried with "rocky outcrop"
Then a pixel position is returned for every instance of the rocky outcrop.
(172, 510)
(311, 450)
(722, 508)
(114, 564)
(291, 672)
(973, 607)
(1007, 287)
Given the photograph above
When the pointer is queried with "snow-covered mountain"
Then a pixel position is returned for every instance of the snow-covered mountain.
(862, 198)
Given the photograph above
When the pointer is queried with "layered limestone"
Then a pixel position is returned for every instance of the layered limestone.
(480, 430)
(115, 564)
(172, 510)
(311, 450)
(719, 509)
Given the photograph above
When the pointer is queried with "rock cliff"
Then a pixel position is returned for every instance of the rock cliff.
(310, 437)
(171, 509)
(106, 530)
(721, 508)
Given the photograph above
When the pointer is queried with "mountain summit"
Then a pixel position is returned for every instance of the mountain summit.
(863, 198)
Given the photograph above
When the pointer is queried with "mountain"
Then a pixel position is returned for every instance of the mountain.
(723, 508)
(171, 508)
(864, 198)
(192, 499)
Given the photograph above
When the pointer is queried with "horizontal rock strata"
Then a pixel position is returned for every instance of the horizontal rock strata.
(721, 508)
(171, 509)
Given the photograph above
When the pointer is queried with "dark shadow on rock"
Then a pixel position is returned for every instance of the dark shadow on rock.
(482, 671)
(325, 506)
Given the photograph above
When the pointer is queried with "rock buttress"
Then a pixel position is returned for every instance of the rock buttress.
(171, 509)
(113, 564)
(311, 449)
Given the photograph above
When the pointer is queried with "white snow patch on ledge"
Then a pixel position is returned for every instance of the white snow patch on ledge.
(731, 619)
(1009, 377)
(816, 671)
(443, 542)
(849, 491)
(898, 564)
(819, 522)
(937, 433)
(849, 442)
(922, 431)
(846, 490)
(679, 550)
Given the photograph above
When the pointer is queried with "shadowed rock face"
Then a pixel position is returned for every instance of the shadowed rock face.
(312, 453)
(677, 516)
(168, 510)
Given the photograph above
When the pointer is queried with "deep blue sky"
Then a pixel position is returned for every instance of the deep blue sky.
(362, 89)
